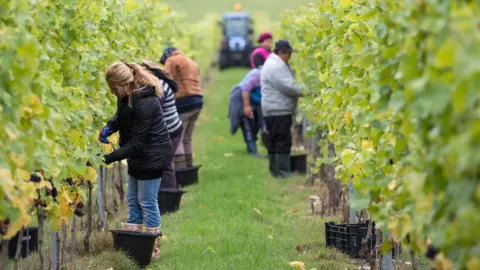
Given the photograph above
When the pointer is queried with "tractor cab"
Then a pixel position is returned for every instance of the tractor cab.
(237, 41)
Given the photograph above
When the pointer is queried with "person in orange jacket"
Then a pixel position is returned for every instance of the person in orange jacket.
(189, 100)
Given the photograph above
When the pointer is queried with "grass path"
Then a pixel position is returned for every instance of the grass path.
(217, 226)
(196, 10)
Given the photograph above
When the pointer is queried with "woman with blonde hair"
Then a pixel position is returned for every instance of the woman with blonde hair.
(144, 141)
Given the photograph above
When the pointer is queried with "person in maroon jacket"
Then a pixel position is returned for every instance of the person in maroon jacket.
(260, 54)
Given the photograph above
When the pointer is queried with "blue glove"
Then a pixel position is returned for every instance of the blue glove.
(103, 136)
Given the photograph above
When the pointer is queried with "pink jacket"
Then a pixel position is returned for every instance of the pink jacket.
(260, 50)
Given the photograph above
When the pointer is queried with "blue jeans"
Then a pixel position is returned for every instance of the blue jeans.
(142, 198)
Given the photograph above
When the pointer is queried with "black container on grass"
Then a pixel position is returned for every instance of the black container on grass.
(187, 176)
(29, 243)
(348, 238)
(298, 164)
(137, 245)
(169, 200)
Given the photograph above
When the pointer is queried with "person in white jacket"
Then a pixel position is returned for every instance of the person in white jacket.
(280, 95)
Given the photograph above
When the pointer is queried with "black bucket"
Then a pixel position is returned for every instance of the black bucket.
(298, 164)
(29, 243)
(187, 176)
(169, 200)
(137, 245)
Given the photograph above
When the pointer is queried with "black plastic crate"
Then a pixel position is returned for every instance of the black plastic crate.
(29, 243)
(187, 176)
(169, 200)
(348, 238)
(298, 164)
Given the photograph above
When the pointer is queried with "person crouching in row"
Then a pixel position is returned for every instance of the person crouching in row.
(245, 111)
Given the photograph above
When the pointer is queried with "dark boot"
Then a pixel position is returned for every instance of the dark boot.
(282, 165)
(265, 139)
(272, 166)
(252, 150)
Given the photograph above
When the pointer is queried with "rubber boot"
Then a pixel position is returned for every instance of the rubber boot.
(156, 248)
(272, 165)
(252, 150)
(282, 165)
(265, 139)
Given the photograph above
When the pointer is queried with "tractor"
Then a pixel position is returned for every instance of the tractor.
(237, 44)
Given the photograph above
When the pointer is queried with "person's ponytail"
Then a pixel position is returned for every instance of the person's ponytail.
(143, 77)
(161, 73)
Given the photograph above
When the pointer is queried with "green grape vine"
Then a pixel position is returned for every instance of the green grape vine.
(396, 86)
(53, 98)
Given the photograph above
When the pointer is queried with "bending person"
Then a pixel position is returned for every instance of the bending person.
(245, 110)
(253, 120)
(189, 100)
(144, 142)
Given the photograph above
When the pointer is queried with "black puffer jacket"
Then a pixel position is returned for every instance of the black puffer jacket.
(144, 139)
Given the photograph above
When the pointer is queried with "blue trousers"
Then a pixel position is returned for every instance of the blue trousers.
(142, 201)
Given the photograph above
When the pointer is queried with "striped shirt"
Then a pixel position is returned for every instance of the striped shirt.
(170, 114)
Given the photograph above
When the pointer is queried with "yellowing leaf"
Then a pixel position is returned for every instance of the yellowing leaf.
(15, 158)
(367, 146)
(108, 148)
(12, 136)
(114, 139)
(91, 175)
(473, 264)
(297, 265)
(16, 225)
(21, 175)
(392, 185)
(5, 174)
(130, 5)
(65, 204)
(348, 117)
(345, 3)
(36, 105)
(442, 263)
(352, 16)
(446, 53)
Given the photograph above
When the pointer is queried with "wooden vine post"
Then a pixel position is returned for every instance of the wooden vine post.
(53, 250)
(64, 245)
(74, 241)
(19, 249)
(104, 198)
(86, 240)
(41, 221)
(4, 258)
(100, 202)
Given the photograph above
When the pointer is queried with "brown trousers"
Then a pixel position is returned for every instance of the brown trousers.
(184, 153)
